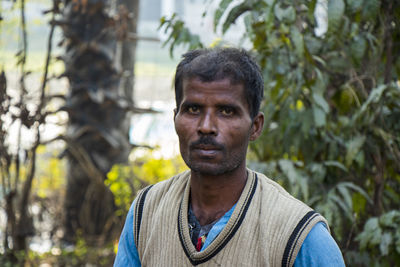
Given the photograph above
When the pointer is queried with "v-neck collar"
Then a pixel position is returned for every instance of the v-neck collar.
(226, 234)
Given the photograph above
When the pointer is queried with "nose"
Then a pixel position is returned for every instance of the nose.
(207, 124)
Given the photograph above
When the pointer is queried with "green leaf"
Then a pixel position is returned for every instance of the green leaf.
(269, 2)
(321, 102)
(390, 218)
(332, 196)
(372, 225)
(337, 164)
(359, 203)
(397, 237)
(373, 97)
(306, 122)
(360, 158)
(311, 8)
(355, 5)
(314, 45)
(358, 48)
(370, 9)
(287, 15)
(289, 170)
(298, 42)
(376, 236)
(342, 188)
(337, 62)
(319, 116)
(223, 5)
(357, 189)
(353, 147)
(235, 12)
(386, 241)
(335, 14)
(318, 170)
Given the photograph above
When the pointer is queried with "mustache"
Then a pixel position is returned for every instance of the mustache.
(207, 140)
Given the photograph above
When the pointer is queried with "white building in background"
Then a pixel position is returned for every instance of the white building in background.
(197, 15)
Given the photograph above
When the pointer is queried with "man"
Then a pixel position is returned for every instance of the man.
(220, 213)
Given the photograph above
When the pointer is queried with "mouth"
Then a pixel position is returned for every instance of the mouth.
(206, 151)
(206, 147)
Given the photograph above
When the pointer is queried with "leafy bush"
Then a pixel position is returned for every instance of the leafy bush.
(332, 109)
(126, 180)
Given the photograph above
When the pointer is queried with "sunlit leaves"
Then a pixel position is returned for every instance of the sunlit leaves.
(333, 148)
(125, 180)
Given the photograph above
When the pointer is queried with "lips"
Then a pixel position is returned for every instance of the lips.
(206, 147)
(206, 151)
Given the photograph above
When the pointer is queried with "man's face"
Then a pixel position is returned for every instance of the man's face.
(214, 126)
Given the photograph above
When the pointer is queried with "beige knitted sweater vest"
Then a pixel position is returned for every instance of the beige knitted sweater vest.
(267, 226)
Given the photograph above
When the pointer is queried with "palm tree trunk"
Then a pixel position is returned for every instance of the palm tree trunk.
(97, 133)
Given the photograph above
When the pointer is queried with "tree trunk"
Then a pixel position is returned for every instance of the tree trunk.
(97, 133)
(128, 47)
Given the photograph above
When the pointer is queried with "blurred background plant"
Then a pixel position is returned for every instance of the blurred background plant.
(332, 107)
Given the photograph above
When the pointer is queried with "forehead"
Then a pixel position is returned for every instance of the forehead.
(219, 90)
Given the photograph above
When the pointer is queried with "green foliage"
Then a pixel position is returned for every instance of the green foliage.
(153, 170)
(79, 255)
(50, 176)
(178, 33)
(125, 181)
(381, 236)
(332, 109)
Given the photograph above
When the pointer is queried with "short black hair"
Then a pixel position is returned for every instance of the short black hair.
(218, 63)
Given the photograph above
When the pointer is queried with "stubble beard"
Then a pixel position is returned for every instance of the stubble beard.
(203, 167)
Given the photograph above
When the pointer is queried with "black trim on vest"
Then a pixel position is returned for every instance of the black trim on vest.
(234, 229)
(294, 237)
(139, 212)
(181, 235)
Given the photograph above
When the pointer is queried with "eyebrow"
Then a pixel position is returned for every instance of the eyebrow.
(186, 104)
(232, 106)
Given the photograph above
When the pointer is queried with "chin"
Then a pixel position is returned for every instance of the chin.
(211, 169)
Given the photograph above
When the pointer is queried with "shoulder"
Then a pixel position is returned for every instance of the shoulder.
(158, 192)
(288, 216)
(319, 249)
(275, 197)
(166, 185)
(127, 254)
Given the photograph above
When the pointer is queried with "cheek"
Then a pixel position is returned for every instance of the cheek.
(239, 136)
(182, 129)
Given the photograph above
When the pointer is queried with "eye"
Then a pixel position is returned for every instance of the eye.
(193, 109)
(227, 111)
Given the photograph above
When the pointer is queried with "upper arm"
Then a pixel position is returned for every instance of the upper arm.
(319, 249)
(127, 254)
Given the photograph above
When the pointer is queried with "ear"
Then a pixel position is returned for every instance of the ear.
(257, 127)
(175, 113)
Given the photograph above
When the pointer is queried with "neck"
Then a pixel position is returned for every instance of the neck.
(212, 196)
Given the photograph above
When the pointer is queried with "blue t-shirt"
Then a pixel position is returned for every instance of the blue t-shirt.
(318, 249)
